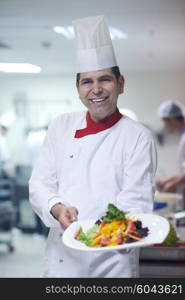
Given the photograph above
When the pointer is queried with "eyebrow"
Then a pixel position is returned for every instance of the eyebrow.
(99, 78)
(105, 77)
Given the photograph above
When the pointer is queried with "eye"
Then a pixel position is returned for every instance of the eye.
(86, 82)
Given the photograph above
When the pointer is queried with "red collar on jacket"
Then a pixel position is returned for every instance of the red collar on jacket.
(95, 127)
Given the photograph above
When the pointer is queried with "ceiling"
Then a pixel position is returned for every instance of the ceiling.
(156, 32)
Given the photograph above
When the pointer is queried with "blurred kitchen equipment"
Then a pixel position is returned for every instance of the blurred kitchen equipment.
(7, 213)
(167, 203)
(179, 222)
(162, 253)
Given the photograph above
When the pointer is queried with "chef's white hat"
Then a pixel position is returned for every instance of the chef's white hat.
(170, 109)
(94, 46)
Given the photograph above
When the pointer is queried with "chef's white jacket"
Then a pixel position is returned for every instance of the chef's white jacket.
(116, 165)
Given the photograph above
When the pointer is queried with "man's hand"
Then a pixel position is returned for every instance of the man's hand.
(168, 185)
(64, 214)
(171, 184)
(160, 184)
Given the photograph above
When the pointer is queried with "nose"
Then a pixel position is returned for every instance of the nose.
(97, 88)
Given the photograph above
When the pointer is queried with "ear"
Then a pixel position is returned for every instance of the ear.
(78, 91)
(121, 82)
(77, 87)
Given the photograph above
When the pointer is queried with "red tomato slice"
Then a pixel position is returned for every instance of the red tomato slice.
(105, 240)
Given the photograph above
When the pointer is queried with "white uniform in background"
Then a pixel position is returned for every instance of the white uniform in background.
(181, 153)
(116, 165)
(181, 158)
(171, 110)
(34, 142)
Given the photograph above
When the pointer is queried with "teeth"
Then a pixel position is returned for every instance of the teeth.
(98, 100)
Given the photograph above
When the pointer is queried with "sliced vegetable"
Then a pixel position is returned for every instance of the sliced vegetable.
(115, 228)
(87, 238)
(83, 238)
(77, 233)
(134, 237)
(113, 213)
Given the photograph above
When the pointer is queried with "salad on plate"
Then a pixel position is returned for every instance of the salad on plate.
(115, 228)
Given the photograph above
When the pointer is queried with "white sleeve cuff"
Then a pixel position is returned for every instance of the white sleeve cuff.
(54, 201)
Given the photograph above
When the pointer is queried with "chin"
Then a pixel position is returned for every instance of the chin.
(101, 116)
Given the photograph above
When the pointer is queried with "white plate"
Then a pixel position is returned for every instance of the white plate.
(157, 225)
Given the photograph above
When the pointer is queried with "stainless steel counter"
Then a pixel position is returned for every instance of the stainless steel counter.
(162, 262)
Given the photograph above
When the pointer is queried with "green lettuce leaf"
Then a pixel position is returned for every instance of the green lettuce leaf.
(113, 213)
(87, 237)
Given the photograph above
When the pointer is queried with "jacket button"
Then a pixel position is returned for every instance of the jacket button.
(60, 260)
(60, 235)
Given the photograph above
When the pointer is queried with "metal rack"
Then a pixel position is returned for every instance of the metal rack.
(7, 213)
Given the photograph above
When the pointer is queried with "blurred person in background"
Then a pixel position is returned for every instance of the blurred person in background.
(172, 116)
(90, 159)
(7, 169)
(34, 141)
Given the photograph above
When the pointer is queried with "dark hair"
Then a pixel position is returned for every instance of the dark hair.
(115, 71)
(180, 118)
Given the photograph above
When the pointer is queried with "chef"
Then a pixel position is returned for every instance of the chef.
(172, 115)
(90, 159)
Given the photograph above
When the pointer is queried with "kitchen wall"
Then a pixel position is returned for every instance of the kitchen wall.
(39, 98)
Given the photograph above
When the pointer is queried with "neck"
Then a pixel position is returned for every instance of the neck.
(98, 119)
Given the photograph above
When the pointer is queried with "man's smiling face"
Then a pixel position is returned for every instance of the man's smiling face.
(99, 90)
